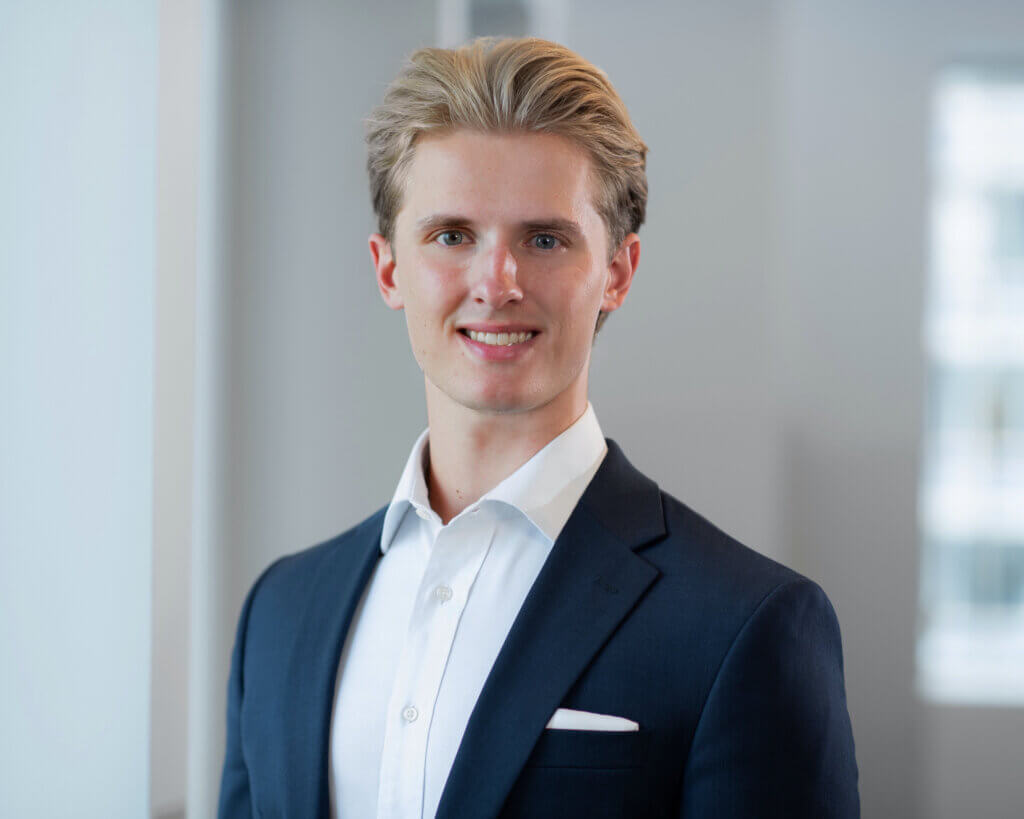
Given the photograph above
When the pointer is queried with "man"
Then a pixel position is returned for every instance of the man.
(531, 627)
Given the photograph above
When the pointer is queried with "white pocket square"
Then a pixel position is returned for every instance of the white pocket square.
(566, 719)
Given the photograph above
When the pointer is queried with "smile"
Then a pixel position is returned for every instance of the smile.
(499, 339)
(498, 347)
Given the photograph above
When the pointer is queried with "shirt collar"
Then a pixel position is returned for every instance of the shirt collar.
(545, 489)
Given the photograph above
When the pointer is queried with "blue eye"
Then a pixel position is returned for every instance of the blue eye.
(547, 241)
(454, 235)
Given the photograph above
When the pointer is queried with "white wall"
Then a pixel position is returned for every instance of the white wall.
(77, 153)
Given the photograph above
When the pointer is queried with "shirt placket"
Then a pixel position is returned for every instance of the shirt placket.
(457, 553)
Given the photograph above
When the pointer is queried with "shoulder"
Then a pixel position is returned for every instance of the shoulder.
(726, 583)
(287, 580)
(699, 565)
(770, 656)
(699, 547)
(757, 618)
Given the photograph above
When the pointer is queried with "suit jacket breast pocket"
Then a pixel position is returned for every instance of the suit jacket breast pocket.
(597, 774)
(559, 748)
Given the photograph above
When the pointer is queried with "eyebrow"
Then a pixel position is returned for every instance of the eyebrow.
(439, 220)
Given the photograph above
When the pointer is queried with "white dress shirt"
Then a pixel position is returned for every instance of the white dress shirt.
(433, 618)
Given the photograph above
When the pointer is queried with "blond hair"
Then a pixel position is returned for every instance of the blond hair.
(508, 85)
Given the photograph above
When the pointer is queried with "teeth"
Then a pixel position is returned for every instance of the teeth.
(500, 339)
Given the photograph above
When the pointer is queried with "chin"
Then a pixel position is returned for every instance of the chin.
(503, 405)
(497, 400)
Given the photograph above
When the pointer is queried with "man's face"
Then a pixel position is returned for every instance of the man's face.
(499, 233)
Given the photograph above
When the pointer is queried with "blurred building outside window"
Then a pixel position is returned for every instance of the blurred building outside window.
(971, 501)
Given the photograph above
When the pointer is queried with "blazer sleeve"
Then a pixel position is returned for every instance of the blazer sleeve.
(235, 798)
(774, 738)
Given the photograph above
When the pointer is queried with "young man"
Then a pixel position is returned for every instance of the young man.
(531, 627)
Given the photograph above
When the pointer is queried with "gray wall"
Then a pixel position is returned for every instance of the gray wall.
(77, 215)
(324, 393)
(307, 396)
(680, 375)
(852, 95)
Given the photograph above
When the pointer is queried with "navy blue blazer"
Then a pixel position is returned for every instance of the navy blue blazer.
(730, 663)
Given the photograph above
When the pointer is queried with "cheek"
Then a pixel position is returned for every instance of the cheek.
(578, 301)
(432, 288)
(433, 295)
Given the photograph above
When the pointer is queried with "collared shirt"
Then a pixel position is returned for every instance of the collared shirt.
(434, 617)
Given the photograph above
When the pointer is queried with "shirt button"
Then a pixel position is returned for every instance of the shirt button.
(443, 593)
(409, 713)
(423, 514)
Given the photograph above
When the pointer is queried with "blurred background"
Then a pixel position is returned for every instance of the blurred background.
(823, 350)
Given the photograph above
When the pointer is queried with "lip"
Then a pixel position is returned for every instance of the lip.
(489, 352)
(493, 327)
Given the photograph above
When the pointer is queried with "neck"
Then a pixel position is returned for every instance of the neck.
(470, 451)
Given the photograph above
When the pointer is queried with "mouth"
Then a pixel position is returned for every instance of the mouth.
(498, 339)
(497, 347)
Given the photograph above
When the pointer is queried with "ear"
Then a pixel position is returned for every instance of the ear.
(385, 265)
(620, 273)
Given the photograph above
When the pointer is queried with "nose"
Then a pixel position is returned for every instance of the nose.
(496, 283)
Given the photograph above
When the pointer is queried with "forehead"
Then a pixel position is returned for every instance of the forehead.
(513, 177)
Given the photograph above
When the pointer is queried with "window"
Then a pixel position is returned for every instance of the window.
(971, 646)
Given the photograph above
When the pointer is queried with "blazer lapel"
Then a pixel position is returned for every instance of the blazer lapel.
(334, 593)
(589, 584)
